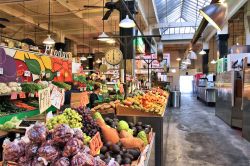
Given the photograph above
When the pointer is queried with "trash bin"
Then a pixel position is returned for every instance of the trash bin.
(176, 99)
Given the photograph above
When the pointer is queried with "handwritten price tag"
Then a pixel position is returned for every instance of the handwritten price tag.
(95, 144)
(22, 95)
(27, 73)
(84, 99)
(58, 74)
(13, 96)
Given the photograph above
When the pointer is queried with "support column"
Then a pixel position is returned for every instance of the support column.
(246, 22)
(127, 46)
(205, 62)
(222, 41)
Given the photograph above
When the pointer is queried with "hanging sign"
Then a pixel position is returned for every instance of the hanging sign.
(95, 144)
(56, 98)
(44, 99)
(1, 71)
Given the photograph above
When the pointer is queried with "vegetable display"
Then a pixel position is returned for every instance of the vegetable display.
(62, 85)
(10, 87)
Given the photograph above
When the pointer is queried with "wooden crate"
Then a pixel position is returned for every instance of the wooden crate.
(128, 111)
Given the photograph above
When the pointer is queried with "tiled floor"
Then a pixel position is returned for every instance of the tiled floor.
(194, 136)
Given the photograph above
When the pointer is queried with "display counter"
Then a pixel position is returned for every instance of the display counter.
(207, 94)
(229, 98)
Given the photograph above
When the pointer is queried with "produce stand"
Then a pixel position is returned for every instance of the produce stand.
(157, 124)
(23, 115)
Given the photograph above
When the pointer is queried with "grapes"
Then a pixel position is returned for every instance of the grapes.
(69, 116)
(90, 127)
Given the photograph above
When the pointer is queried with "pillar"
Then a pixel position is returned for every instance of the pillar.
(222, 41)
(246, 22)
(205, 61)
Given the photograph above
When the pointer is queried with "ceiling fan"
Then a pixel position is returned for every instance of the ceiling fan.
(108, 5)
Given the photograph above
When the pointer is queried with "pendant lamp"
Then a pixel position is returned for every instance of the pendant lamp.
(103, 36)
(89, 56)
(202, 52)
(192, 55)
(98, 61)
(178, 59)
(215, 14)
(111, 41)
(49, 40)
(83, 58)
(127, 23)
(213, 62)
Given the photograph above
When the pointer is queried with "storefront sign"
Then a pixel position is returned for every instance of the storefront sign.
(44, 99)
(56, 53)
(56, 98)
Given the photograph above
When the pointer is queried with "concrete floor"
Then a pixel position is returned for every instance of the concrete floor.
(194, 136)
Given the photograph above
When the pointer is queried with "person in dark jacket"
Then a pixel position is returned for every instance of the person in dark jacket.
(94, 96)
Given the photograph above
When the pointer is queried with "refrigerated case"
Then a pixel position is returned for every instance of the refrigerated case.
(229, 98)
(246, 103)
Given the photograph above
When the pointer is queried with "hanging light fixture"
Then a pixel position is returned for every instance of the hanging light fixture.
(192, 55)
(213, 61)
(98, 61)
(127, 23)
(49, 40)
(202, 52)
(178, 59)
(89, 56)
(83, 58)
(111, 41)
(215, 14)
(103, 36)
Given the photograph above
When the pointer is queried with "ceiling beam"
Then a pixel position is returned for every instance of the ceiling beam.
(30, 20)
(174, 25)
(68, 5)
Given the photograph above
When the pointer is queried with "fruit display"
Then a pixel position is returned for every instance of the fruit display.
(10, 87)
(89, 127)
(106, 107)
(62, 85)
(153, 101)
(58, 147)
(123, 141)
(69, 116)
(11, 124)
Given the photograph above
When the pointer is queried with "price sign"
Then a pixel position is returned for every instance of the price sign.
(47, 75)
(27, 73)
(22, 95)
(56, 98)
(1, 71)
(13, 96)
(84, 99)
(58, 74)
(95, 144)
(44, 99)
(121, 88)
(36, 94)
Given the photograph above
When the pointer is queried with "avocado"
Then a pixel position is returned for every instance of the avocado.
(126, 161)
(104, 149)
(135, 153)
(115, 148)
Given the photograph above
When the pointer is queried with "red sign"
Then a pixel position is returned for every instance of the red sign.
(95, 144)
(13, 96)
(22, 95)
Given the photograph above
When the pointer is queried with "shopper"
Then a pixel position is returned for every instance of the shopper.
(94, 96)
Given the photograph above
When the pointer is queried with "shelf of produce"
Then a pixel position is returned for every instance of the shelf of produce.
(22, 115)
(157, 124)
